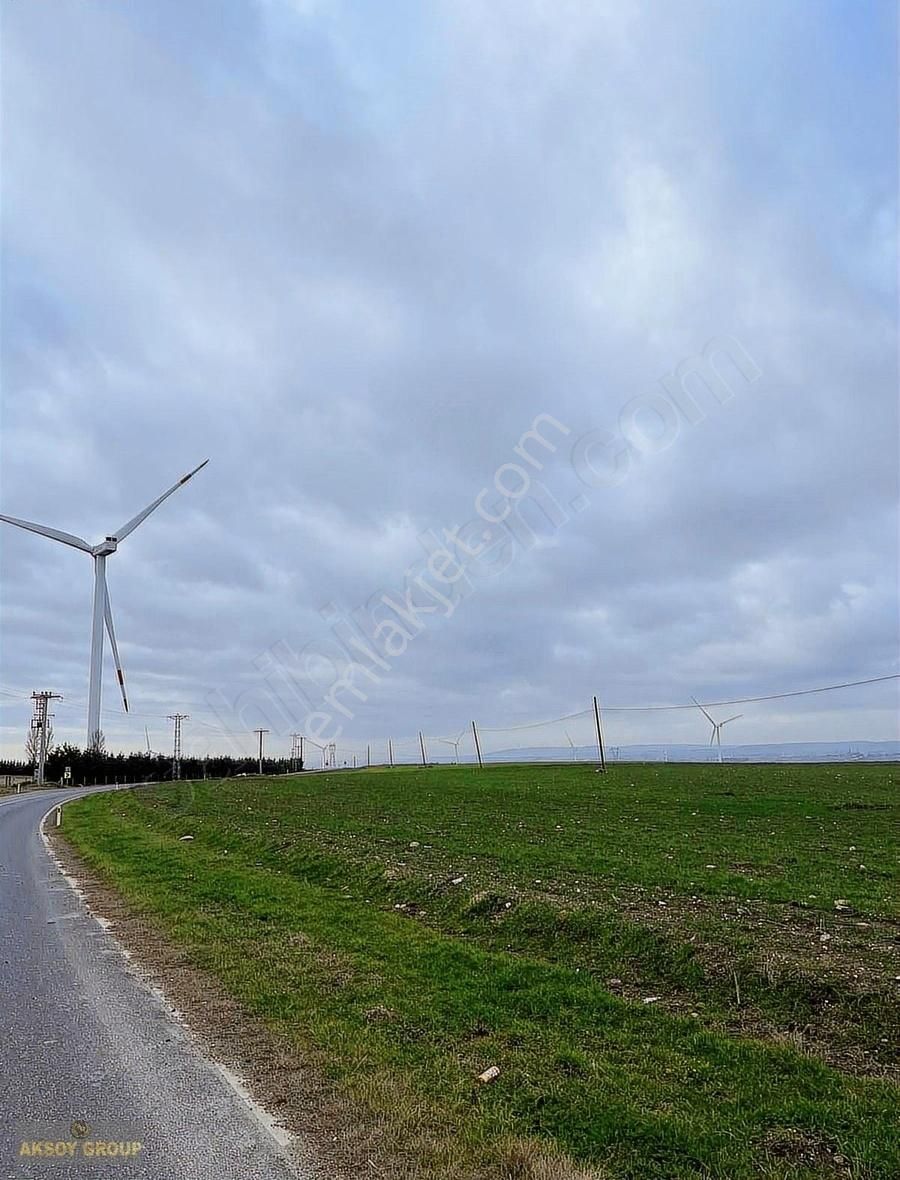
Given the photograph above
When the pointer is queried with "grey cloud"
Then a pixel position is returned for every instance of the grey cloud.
(351, 257)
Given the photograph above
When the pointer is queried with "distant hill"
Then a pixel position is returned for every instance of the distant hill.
(774, 752)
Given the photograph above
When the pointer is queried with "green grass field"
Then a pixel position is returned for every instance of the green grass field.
(680, 971)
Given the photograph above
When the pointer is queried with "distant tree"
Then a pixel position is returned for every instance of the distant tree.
(89, 766)
(65, 755)
(33, 744)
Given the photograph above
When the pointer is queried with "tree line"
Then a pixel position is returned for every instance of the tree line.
(89, 766)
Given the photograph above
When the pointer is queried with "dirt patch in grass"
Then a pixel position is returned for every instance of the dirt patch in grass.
(824, 984)
(837, 963)
(335, 1138)
(857, 954)
(805, 1150)
(526, 1160)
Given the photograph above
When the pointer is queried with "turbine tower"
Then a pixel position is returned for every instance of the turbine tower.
(571, 744)
(717, 726)
(102, 613)
(454, 742)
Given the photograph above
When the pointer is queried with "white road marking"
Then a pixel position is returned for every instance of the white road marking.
(263, 1117)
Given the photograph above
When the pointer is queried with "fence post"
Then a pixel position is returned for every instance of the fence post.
(599, 734)
(477, 746)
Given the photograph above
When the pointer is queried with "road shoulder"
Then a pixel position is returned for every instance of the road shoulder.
(329, 1138)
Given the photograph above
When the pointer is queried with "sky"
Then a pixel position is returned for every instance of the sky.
(538, 350)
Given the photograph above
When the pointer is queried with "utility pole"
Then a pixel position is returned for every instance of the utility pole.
(176, 747)
(477, 747)
(296, 751)
(260, 733)
(600, 749)
(39, 726)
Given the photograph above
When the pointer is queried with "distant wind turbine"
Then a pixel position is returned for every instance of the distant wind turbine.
(717, 726)
(102, 614)
(151, 753)
(322, 749)
(571, 743)
(454, 742)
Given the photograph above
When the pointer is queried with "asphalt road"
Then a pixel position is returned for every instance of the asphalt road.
(83, 1039)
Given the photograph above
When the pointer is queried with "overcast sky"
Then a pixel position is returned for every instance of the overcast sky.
(350, 252)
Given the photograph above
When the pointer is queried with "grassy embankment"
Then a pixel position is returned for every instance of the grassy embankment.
(406, 929)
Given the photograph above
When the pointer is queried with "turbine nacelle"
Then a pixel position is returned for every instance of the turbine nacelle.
(107, 545)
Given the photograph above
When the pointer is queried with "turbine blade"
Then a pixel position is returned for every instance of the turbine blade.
(703, 711)
(136, 520)
(53, 534)
(110, 630)
(734, 718)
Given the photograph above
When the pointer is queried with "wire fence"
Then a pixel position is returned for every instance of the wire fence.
(708, 730)
(748, 728)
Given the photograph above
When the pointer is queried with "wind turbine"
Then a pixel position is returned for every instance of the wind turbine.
(717, 726)
(322, 749)
(454, 742)
(571, 744)
(102, 613)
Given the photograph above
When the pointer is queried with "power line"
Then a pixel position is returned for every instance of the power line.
(260, 733)
(775, 696)
(40, 725)
(535, 724)
(176, 748)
